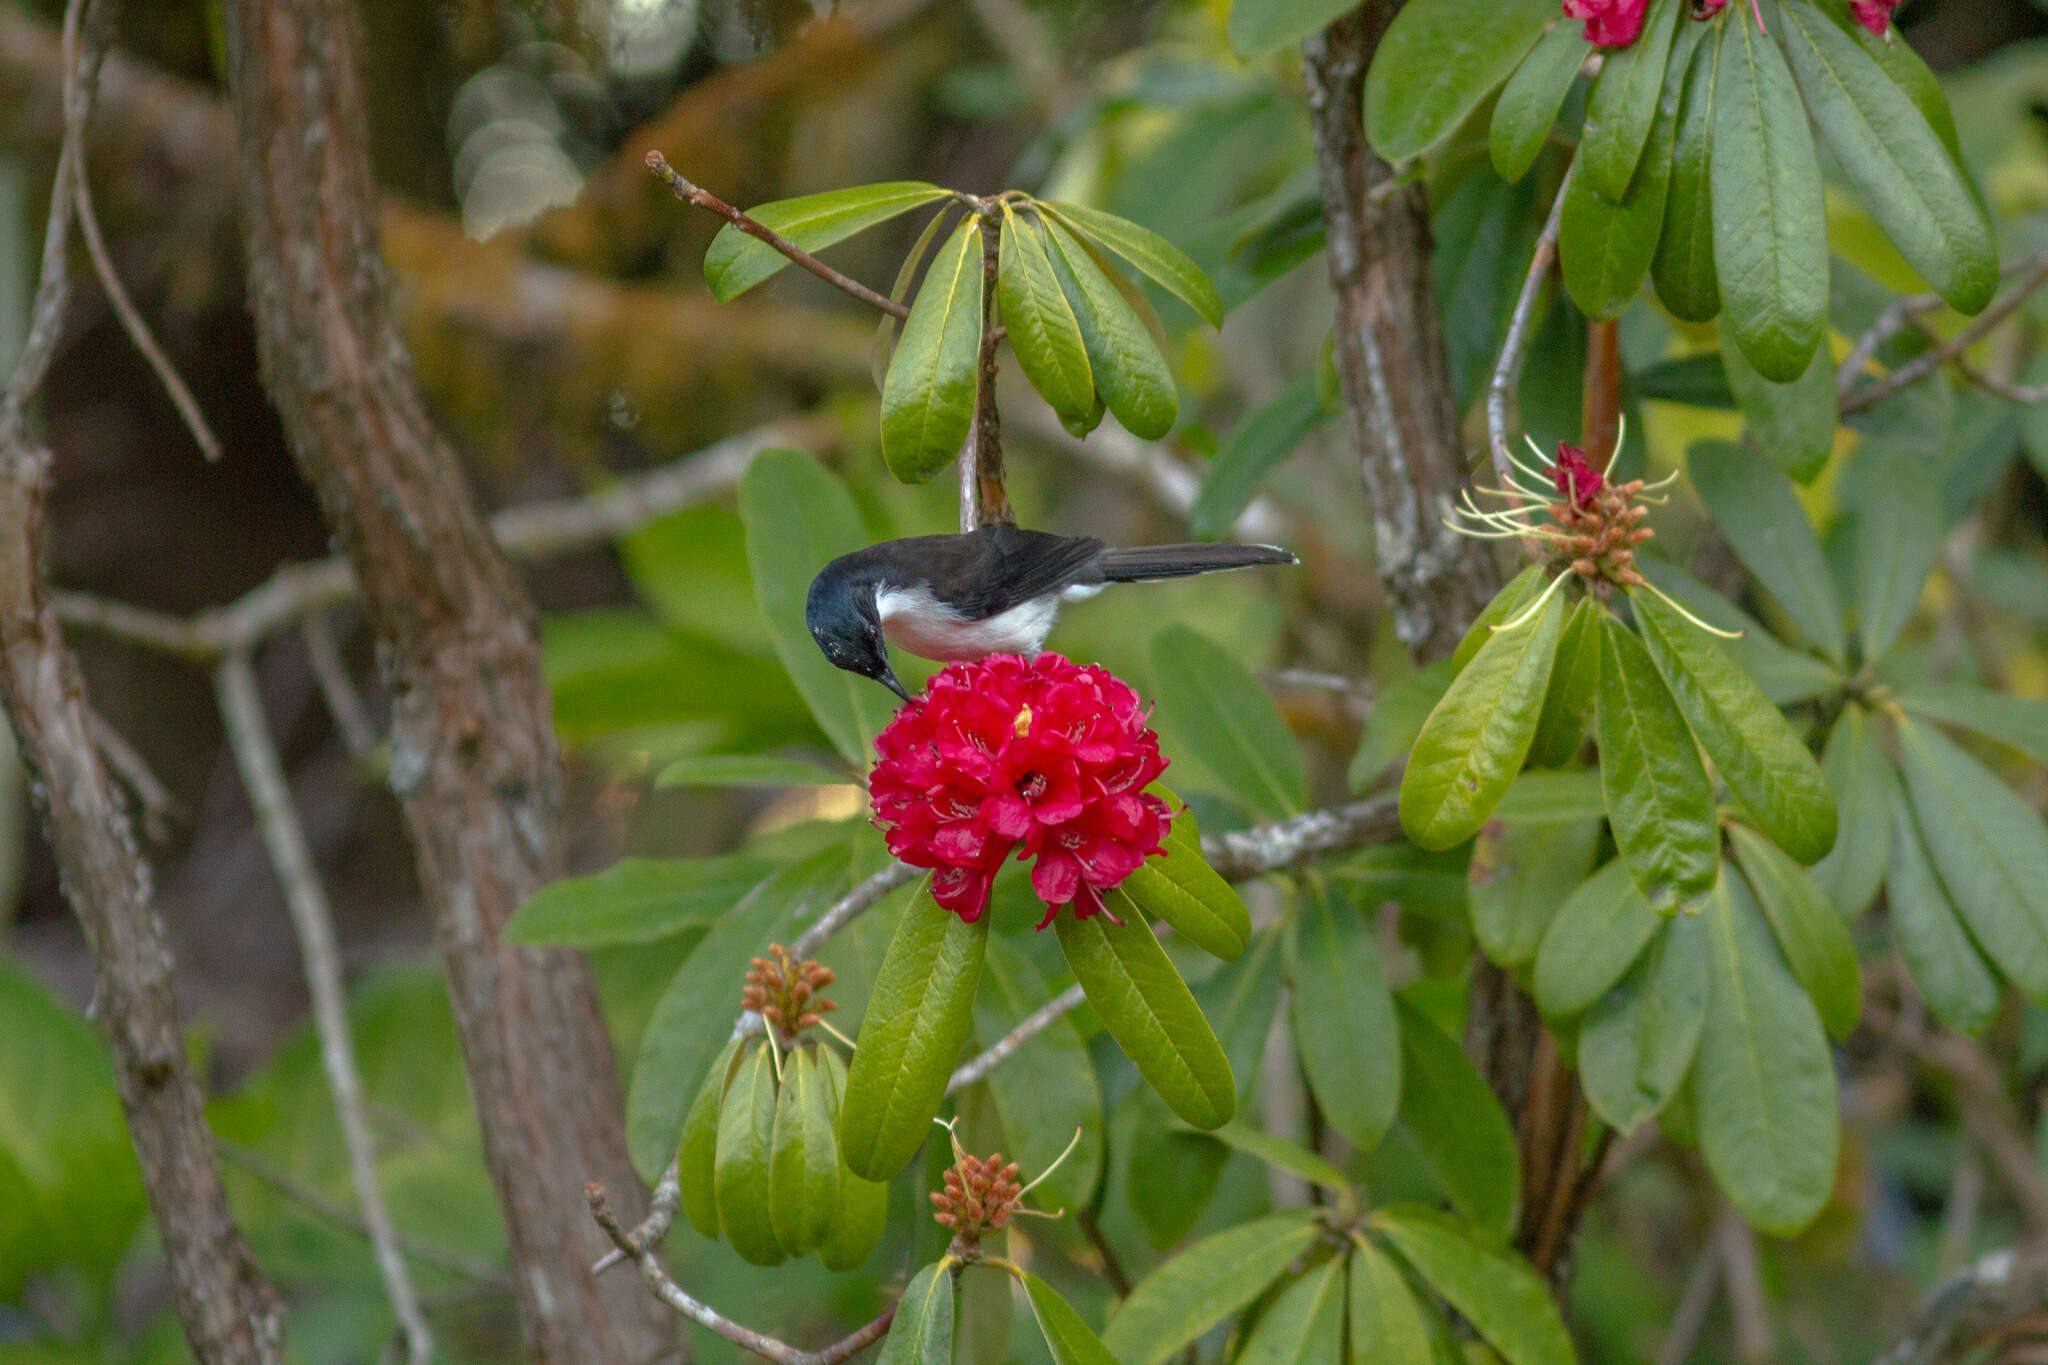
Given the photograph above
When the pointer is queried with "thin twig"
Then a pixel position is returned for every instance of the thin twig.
(1000, 1051)
(1743, 1280)
(1694, 1303)
(1926, 363)
(256, 757)
(1514, 351)
(1242, 854)
(126, 763)
(705, 199)
(351, 718)
(983, 499)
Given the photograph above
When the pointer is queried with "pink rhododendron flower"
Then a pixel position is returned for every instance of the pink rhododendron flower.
(1577, 480)
(1046, 757)
(1875, 15)
(1609, 23)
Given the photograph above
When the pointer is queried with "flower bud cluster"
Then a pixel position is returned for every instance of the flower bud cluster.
(785, 992)
(980, 1195)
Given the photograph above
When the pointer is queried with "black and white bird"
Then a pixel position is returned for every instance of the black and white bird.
(997, 590)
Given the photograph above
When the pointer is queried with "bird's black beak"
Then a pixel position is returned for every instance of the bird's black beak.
(888, 680)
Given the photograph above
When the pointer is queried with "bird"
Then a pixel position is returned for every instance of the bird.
(995, 590)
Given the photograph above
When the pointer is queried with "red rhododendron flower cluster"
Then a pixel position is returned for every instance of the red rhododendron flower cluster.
(1609, 23)
(1045, 757)
(1875, 15)
(1577, 480)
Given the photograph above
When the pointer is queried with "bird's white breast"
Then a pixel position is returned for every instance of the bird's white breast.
(916, 621)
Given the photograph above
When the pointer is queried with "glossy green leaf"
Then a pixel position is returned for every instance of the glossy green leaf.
(1205, 1284)
(1473, 743)
(1281, 1153)
(1396, 718)
(1659, 802)
(1044, 335)
(1142, 1001)
(1764, 1081)
(1639, 1037)
(1755, 508)
(1785, 675)
(1573, 691)
(1345, 1031)
(1387, 1325)
(1554, 797)
(1594, 937)
(1211, 702)
(1495, 1290)
(747, 770)
(1947, 967)
(742, 1176)
(1435, 64)
(1683, 269)
(1910, 72)
(735, 261)
(1255, 448)
(1865, 787)
(1157, 259)
(857, 1222)
(1623, 105)
(636, 900)
(1755, 749)
(697, 1158)
(1521, 871)
(1130, 372)
(1304, 1324)
(922, 1333)
(928, 394)
(2018, 722)
(1815, 943)
(1898, 531)
(1608, 242)
(1528, 104)
(1792, 424)
(1891, 154)
(805, 1159)
(1506, 604)
(1181, 888)
(1459, 1127)
(1070, 1339)
(1046, 1090)
(1260, 27)
(920, 1010)
(683, 1035)
(1989, 848)
(1770, 220)
(799, 518)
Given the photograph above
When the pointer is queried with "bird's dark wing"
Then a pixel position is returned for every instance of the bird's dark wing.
(1006, 566)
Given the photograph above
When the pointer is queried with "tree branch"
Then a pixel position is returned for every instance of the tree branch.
(1029, 1027)
(1971, 1307)
(1514, 351)
(1902, 311)
(983, 499)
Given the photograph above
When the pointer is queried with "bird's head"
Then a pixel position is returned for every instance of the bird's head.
(844, 621)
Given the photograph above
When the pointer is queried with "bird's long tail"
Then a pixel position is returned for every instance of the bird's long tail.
(1179, 561)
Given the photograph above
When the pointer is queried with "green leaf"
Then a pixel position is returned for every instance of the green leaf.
(1573, 691)
(799, 518)
(1047, 1089)
(683, 1035)
(1044, 335)
(928, 394)
(1792, 424)
(1683, 270)
(1260, 27)
(1639, 1038)
(1755, 749)
(1281, 1153)
(1865, 787)
(1387, 1325)
(1608, 243)
(1222, 715)
(919, 1013)
(1594, 937)
(1554, 797)
(1528, 104)
(1177, 1303)
(1258, 445)
(922, 1333)
(1142, 1001)
(1893, 157)
(636, 900)
(1755, 508)
(1130, 372)
(1785, 675)
(1770, 220)
(1815, 943)
(1157, 259)
(857, 1222)
(2018, 722)
(1948, 968)
(1504, 1300)
(1623, 105)
(1518, 593)
(736, 262)
(1659, 802)
(1181, 888)
(805, 1158)
(1071, 1340)
(1474, 742)
(1343, 1017)
(1764, 1081)
(1459, 1127)
(1521, 871)
(1698, 380)
(742, 1175)
(1396, 718)
(697, 1159)
(1911, 74)
(1989, 848)
(746, 770)
(1435, 64)
(1898, 530)
(1304, 1325)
